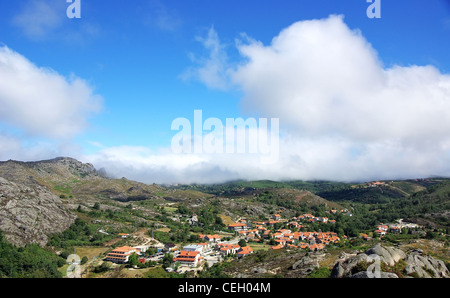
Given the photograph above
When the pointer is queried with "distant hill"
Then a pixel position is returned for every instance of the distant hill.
(304, 197)
(430, 206)
(37, 198)
(70, 178)
(41, 198)
(373, 193)
(282, 194)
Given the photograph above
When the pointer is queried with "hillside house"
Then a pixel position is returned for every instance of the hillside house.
(159, 247)
(316, 247)
(141, 248)
(213, 238)
(276, 247)
(381, 233)
(322, 219)
(207, 247)
(188, 258)
(120, 255)
(304, 245)
(193, 247)
(238, 227)
(272, 222)
(227, 249)
(396, 230)
(170, 247)
(376, 183)
(244, 251)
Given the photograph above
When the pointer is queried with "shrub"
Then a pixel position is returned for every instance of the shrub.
(321, 272)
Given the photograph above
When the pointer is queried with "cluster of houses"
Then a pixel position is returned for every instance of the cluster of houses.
(214, 243)
(376, 183)
(381, 231)
(258, 231)
(312, 218)
(243, 227)
(191, 255)
(342, 211)
(304, 240)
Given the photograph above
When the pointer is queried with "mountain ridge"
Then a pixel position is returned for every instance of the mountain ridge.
(69, 184)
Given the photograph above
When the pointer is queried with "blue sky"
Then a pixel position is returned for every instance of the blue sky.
(138, 64)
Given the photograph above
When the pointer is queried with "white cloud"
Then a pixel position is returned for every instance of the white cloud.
(39, 18)
(165, 19)
(327, 84)
(306, 159)
(213, 69)
(343, 114)
(159, 15)
(322, 78)
(41, 102)
(44, 20)
(12, 147)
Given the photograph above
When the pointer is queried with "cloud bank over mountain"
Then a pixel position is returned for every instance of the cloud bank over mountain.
(343, 114)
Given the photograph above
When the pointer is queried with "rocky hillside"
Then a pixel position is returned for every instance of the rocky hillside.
(30, 213)
(40, 172)
(305, 197)
(39, 198)
(70, 178)
(392, 263)
(379, 261)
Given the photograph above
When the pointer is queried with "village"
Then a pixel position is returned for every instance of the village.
(276, 233)
(394, 228)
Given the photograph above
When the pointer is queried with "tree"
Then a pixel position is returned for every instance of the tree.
(84, 260)
(151, 251)
(183, 210)
(430, 235)
(30, 261)
(102, 268)
(242, 243)
(133, 260)
(321, 272)
(167, 261)
(219, 221)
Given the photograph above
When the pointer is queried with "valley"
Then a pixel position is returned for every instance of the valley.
(240, 229)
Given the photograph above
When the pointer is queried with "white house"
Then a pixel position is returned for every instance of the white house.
(188, 258)
(193, 247)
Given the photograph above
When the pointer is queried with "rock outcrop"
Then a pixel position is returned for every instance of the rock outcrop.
(368, 264)
(31, 213)
(388, 255)
(307, 264)
(58, 169)
(425, 266)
